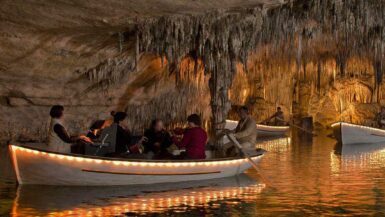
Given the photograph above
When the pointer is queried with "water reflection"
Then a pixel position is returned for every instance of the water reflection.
(358, 156)
(279, 144)
(116, 201)
(313, 177)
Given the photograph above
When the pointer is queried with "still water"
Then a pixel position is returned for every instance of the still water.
(311, 177)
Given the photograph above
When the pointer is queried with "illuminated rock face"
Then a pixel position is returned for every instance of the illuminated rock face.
(313, 58)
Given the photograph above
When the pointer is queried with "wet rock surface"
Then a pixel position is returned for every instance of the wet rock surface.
(313, 58)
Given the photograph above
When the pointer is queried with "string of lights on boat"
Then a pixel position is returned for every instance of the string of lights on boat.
(358, 126)
(128, 163)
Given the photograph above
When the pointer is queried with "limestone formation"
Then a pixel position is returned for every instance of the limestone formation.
(320, 58)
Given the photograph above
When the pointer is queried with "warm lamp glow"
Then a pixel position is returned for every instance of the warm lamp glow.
(129, 163)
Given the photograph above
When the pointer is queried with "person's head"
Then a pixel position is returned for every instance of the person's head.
(194, 120)
(157, 125)
(118, 116)
(57, 111)
(243, 112)
(279, 109)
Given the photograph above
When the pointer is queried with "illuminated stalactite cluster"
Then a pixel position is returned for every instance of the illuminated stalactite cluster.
(292, 53)
(218, 39)
(309, 57)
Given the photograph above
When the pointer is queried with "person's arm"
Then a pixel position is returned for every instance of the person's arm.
(63, 135)
(185, 140)
(235, 129)
(250, 127)
(126, 135)
(271, 117)
(167, 140)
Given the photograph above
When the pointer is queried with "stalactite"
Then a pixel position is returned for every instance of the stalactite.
(280, 41)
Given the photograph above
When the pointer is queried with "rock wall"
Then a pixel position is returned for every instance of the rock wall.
(322, 58)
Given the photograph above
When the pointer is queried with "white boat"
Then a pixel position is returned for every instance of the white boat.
(348, 134)
(35, 166)
(262, 130)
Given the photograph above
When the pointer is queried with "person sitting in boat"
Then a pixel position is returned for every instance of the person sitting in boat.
(380, 118)
(123, 139)
(58, 138)
(277, 117)
(156, 140)
(245, 133)
(194, 139)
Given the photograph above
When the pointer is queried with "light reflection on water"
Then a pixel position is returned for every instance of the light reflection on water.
(113, 201)
(312, 177)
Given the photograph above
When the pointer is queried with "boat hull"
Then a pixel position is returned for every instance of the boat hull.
(262, 130)
(347, 134)
(38, 167)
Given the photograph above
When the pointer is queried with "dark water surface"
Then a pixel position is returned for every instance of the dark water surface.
(312, 177)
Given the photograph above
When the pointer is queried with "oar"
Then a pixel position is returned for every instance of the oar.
(239, 147)
(296, 126)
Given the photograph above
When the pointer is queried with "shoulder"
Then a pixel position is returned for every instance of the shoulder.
(201, 130)
(251, 121)
(58, 126)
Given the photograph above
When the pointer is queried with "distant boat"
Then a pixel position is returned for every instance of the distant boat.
(35, 166)
(348, 134)
(262, 130)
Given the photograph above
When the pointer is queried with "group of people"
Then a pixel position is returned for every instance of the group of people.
(156, 139)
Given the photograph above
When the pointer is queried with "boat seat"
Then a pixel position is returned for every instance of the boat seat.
(106, 144)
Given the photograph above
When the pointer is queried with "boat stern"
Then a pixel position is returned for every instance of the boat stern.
(337, 131)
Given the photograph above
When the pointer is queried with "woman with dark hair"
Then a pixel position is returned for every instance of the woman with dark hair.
(58, 138)
(123, 142)
(123, 135)
(157, 139)
(194, 139)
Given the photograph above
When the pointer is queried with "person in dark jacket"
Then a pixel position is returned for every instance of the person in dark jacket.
(123, 143)
(156, 139)
(123, 135)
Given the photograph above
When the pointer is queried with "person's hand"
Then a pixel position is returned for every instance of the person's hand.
(85, 139)
(143, 139)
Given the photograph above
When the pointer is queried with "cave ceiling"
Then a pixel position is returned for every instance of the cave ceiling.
(114, 54)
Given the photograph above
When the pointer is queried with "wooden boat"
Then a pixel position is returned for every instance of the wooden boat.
(348, 134)
(262, 130)
(35, 166)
